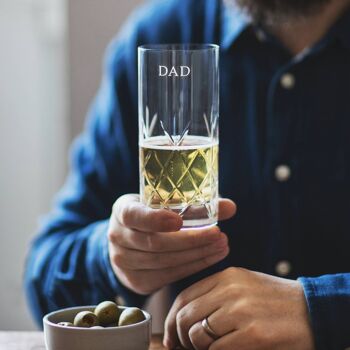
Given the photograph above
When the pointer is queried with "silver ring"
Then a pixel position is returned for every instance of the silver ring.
(208, 329)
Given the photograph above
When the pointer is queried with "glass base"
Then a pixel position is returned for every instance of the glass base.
(198, 224)
(198, 215)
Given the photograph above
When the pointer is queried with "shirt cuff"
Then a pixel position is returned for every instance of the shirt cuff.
(328, 300)
(99, 245)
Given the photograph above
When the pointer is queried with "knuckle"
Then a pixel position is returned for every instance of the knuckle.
(240, 293)
(229, 271)
(181, 299)
(112, 236)
(182, 319)
(118, 260)
(256, 332)
(126, 215)
(135, 239)
(115, 236)
(242, 310)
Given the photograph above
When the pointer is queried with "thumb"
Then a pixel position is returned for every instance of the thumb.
(227, 209)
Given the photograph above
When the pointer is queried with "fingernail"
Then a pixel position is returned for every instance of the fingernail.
(174, 223)
(170, 224)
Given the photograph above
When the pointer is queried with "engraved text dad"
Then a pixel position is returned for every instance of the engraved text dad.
(181, 71)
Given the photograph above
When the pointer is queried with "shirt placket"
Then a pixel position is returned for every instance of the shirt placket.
(279, 168)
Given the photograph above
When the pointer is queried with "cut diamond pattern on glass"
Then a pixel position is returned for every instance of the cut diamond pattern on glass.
(177, 180)
(147, 125)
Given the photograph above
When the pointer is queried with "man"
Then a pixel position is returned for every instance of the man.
(285, 92)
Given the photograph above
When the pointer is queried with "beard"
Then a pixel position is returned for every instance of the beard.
(279, 11)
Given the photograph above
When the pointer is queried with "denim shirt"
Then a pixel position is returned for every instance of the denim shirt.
(284, 146)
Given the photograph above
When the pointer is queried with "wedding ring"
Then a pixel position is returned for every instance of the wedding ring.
(208, 329)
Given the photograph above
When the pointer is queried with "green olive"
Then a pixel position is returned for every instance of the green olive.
(107, 313)
(85, 319)
(66, 324)
(131, 315)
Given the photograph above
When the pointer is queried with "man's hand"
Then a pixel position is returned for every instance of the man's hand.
(147, 250)
(246, 310)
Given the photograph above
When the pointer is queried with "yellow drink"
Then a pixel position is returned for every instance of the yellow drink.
(182, 178)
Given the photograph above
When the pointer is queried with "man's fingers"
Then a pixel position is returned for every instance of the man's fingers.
(217, 316)
(133, 214)
(192, 313)
(199, 338)
(236, 340)
(221, 322)
(172, 274)
(180, 320)
(147, 281)
(166, 242)
(135, 260)
(227, 209)
(193, 292)
(197, 290)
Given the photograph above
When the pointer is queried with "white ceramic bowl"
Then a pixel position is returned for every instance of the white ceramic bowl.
(133, 337)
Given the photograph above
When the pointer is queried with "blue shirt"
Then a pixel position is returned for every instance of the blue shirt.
(276, 110)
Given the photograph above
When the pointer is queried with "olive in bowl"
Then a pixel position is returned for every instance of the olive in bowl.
(58, 336)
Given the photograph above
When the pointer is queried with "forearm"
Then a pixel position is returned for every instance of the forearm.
(69, 268)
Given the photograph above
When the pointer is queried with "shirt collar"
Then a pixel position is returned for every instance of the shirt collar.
(233, 23)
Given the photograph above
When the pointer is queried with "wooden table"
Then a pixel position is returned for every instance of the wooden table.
(35, 341)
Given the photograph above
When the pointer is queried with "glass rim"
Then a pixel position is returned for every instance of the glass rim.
(178, 47)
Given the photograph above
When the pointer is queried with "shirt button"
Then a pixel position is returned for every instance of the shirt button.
(288, 81)
(283, 268)
(261, 36)
(282, 173)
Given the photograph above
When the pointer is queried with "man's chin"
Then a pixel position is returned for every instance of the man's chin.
(273, 11)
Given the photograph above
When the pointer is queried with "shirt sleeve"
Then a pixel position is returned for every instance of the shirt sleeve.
(328, 299)
(68, 262)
